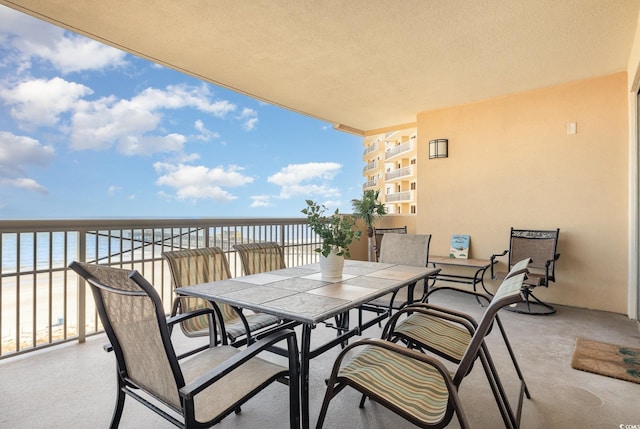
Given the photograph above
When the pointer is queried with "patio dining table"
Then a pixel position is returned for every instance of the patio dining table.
(302, 296)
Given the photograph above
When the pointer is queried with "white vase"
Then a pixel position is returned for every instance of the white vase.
(331, 266)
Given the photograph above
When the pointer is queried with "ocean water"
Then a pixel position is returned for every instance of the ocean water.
(40, 251)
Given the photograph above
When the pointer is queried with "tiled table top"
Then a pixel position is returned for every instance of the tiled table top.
(301, 294)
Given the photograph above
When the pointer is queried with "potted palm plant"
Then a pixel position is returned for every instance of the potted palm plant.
(337, 232)
(369, 209)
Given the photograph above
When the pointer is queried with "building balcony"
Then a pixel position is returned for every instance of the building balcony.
(370, 149)
(400, 173)
(369, 184)
(369, 167)
(399, 150)
(399, 197)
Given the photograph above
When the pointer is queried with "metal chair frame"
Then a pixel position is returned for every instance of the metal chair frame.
(541, 246)
(260, 257)
(378, 233)
(510, 292)
(207, 264)
(122, 293)
(444, 321)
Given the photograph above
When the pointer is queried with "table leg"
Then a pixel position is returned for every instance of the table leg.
(304, 374)
(482, 282)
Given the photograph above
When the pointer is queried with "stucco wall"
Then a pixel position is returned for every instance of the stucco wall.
(512, 163)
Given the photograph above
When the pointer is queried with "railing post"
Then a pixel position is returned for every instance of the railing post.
(82, 288)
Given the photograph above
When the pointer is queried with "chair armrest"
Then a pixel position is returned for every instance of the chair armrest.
(467, 321)
(550, 264)
(450, 311)
(493, 257)
(468, 292)
(172, 320)
(213, 326)
(215, 374)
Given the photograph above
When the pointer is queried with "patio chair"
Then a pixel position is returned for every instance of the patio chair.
(378, 233)
(405, 249)
(208, 264)
(198, 391)
(412, 384)
(447, 333)
(260, 257)
(541, 246)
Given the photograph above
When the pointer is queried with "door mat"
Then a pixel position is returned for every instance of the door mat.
(607, 359)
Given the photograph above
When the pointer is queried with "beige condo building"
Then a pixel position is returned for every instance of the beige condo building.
(391, 166)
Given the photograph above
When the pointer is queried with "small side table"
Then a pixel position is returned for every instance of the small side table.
(476, 267)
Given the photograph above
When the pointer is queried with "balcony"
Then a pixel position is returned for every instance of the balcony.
(399, 150)
(43, 303)
(73, 385)
(370, 184)
(399, 197)
(370, 166)
(370, 149)
(399, 173)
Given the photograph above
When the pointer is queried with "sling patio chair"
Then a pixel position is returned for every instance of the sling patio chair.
(378, 233)
(260, 257)
(447, 333)
(268, 256)
(405, 249)
(412, 384)
(208, 264)
(196, 389)
(541, 246)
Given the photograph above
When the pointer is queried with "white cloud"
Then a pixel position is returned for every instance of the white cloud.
(148, 145)
(74, 54)
(261, 201)
(40, 102)
(249, 117)
(31, 38)
(180, 96)
(102, 123)
(192, 182)
(16, 152)
(308, 179)
(25, 183)
(205, 134)
(250, 124)
(294, 174)
(333, 203)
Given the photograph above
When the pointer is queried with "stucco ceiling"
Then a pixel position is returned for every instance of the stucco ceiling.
(364, 64)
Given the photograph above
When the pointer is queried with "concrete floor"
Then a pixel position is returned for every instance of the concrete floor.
(73, 385)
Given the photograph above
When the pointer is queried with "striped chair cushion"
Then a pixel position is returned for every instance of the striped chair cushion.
(256, 321)
(412, 386)
(438, 334)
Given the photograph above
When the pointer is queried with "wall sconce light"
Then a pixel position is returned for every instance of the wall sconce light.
(438, 148)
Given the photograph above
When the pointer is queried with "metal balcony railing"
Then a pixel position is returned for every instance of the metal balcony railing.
(399, 149)
(370, 166)
(43, 303)
(399, 197)
(369, 184)
(400, 172)
(369, 149)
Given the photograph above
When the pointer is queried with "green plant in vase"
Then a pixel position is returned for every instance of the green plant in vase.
(336, 230)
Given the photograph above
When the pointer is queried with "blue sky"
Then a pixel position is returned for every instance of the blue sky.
(87, 131)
